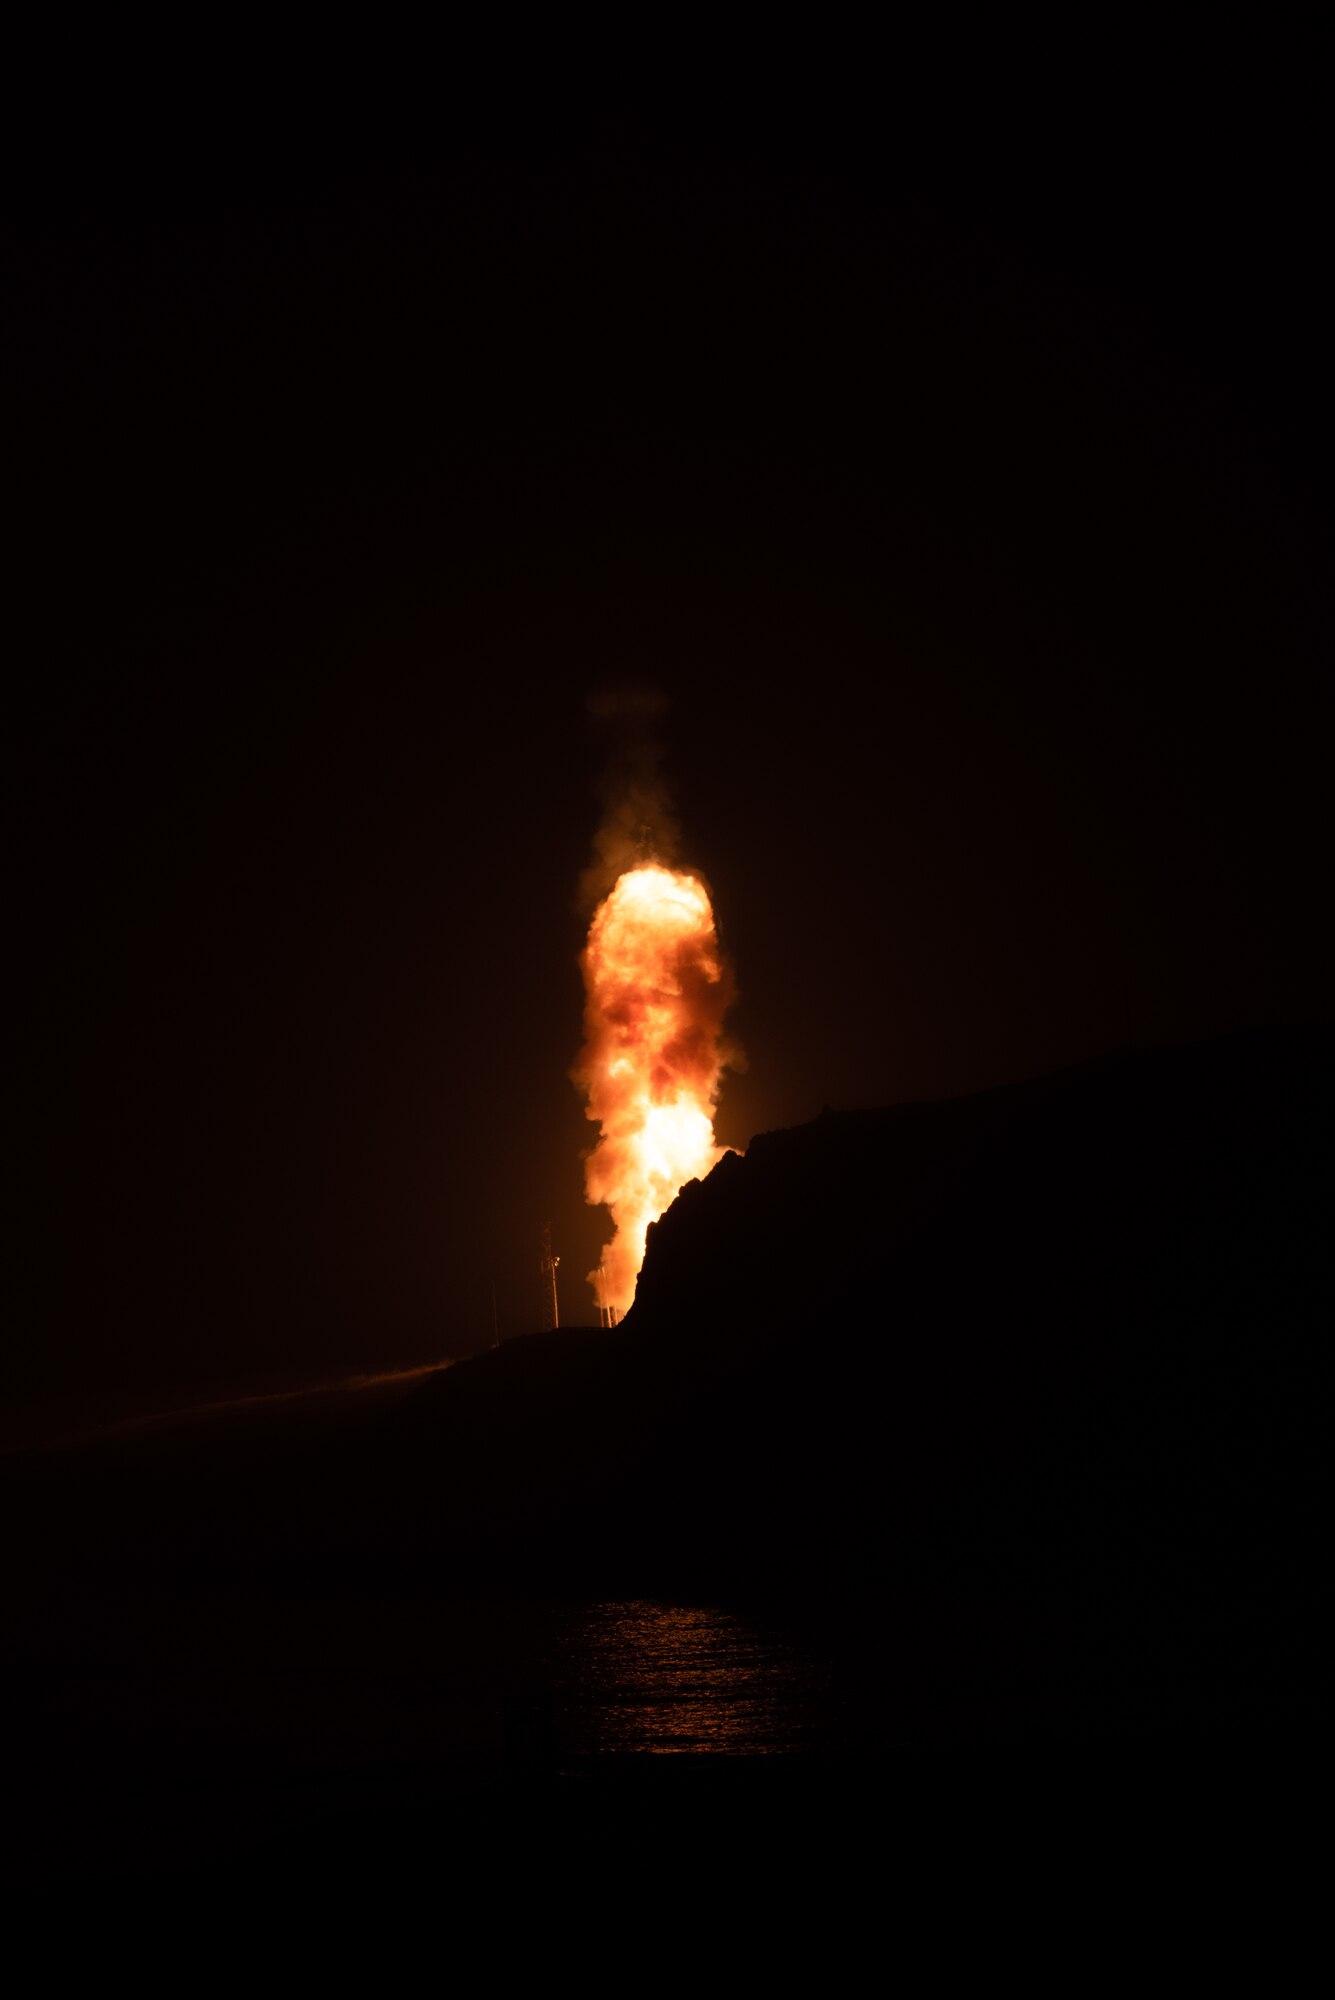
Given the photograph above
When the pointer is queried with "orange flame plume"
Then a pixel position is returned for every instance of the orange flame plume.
(657, 989)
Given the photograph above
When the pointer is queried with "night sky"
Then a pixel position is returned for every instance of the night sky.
(969, 507)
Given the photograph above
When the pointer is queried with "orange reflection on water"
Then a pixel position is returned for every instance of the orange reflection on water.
(665, 1679)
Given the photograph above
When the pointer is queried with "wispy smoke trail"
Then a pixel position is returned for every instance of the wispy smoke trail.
(638, 823)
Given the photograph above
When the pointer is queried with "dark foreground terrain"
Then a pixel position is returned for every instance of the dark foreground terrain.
(958, 1462)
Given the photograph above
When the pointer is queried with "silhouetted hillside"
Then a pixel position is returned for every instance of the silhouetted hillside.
(1017, 1408)
(1042, 1373)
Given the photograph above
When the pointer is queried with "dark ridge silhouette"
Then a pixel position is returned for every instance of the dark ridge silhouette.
(1017, 1407)
(1057, 1338)
(1045, 1370)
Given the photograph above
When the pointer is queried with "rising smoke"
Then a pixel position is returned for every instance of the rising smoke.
(638, 822)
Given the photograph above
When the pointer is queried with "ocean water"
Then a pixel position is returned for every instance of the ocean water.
(643, 1678)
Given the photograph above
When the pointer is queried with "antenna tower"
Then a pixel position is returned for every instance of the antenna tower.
(551, 1317)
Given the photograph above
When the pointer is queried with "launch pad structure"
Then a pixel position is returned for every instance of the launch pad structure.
(548, 1301)
(608, 1315)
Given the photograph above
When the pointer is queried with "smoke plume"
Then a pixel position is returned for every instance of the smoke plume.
(638, 823)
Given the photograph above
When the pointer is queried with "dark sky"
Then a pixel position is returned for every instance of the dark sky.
(971, 507)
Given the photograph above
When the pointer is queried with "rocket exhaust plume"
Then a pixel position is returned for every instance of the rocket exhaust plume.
(657, 988)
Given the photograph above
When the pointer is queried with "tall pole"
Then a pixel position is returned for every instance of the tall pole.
(551, 1316)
